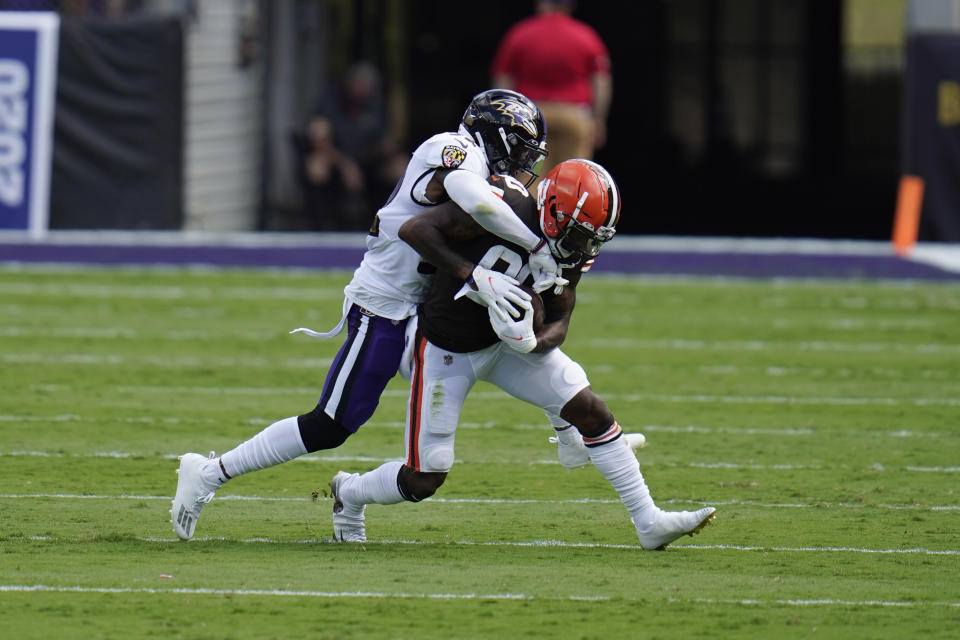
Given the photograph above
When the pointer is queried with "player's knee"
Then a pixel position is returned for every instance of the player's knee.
(419, 485)
(588, 413)
(319, 431)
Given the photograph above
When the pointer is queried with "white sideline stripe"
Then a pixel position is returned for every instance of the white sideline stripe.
(520, 426)
(256, 391)
(504, 501)
(731, 547)
(692, 344)
(497, 395)
(550, 461)
(174, 456)
(69, 417)
(803, 400)
(79, 359)
(170, 292)
(32, 588)
(110, 333)
(822, 602)
(291, 593)
(166, 362)
(622, 397)
(531, 543)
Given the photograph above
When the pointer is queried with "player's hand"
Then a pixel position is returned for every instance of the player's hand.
(546, 272)
(518, 334)
(498, 292)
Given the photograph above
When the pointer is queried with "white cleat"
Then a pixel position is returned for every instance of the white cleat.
(573, 454)
(671, 525)
(347, 526)
(192, 494)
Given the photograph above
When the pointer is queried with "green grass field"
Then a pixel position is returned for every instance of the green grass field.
(820, 418)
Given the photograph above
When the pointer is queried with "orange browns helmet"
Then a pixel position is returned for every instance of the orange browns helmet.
(579, 206)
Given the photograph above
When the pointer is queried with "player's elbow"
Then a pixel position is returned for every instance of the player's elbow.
(549, 340)
(481, 210)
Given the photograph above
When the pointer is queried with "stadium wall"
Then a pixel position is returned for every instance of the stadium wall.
(666, 256)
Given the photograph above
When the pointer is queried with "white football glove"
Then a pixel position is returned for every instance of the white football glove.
(518, 334)
(496, 291)
(546, 272)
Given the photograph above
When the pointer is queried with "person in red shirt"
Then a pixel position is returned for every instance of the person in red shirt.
(561, 64)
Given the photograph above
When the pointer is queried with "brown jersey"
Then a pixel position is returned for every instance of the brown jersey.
(463, 325)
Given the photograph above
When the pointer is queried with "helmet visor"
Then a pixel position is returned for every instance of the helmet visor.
(528, 158)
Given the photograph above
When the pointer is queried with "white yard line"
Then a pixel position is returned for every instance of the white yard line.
(529, 543)
(669, 344)
(496, 394)
(290, 593)
(822, 602)
(692, 344)
(128, 333)
(713, 464)
(502, 501)
(165, 362)
(769, 399)
(648, 428)
(170, 292)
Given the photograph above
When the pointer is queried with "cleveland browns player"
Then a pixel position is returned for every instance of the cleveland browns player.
(458, 342)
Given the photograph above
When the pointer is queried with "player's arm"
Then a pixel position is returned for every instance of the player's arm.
(472, 194)
(430, 234)
(557, 309)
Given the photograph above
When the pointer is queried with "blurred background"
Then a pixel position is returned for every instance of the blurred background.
(759, 118)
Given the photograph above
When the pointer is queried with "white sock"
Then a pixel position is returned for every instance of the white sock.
(373, 487)
(614, 458)
(277, 443)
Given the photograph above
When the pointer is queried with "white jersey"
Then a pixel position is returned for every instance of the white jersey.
(388, 282)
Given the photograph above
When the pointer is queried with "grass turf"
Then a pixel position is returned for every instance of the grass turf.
(819, 417)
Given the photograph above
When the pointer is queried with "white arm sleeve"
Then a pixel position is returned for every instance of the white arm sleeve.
(474, 196)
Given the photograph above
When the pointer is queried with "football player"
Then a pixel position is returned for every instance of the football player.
(458, 343)
(501, 131)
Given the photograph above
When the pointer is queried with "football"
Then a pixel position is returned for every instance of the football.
(538, 313)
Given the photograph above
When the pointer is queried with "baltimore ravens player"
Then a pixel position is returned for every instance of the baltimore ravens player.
(501, 131)
(458, 343)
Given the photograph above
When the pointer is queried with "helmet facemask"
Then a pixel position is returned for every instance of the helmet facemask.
(523, 156)
(583, 239)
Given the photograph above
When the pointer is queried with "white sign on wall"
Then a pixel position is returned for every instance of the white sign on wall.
(28, 73)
